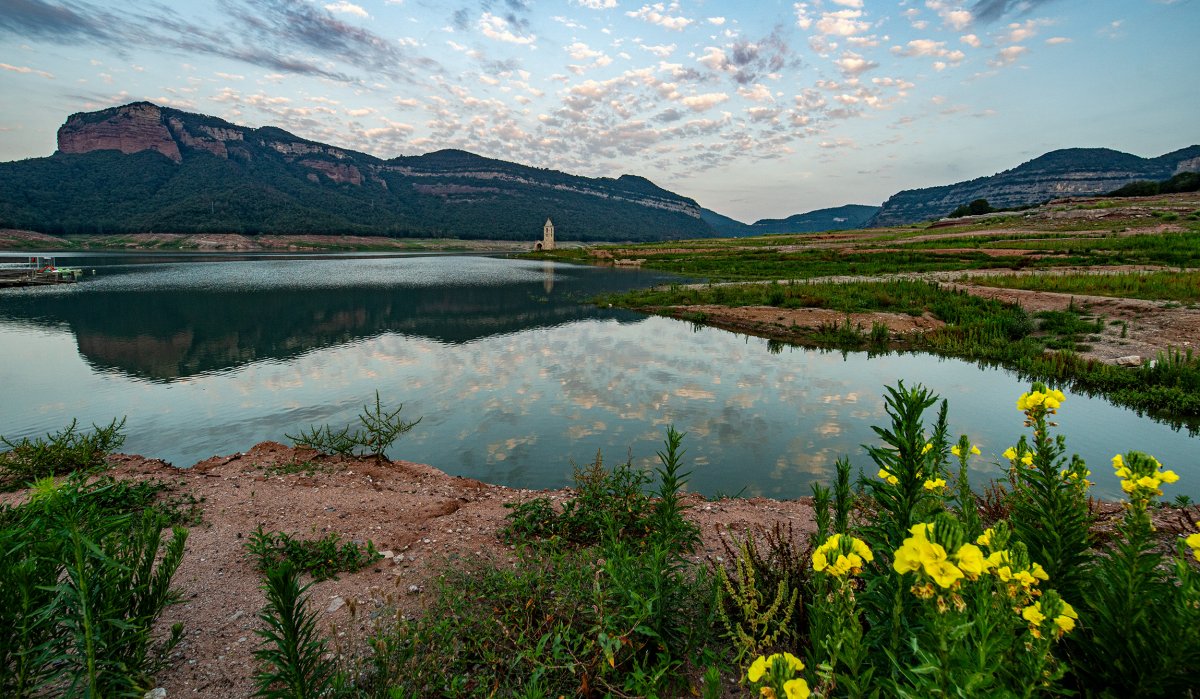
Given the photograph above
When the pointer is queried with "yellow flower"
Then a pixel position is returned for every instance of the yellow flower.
(1193, 540)
(970, 560)
(796, 689)
(860, 547)
(819, 561)
(767, 693)
(793, 663)
(975, 450)
(985, 539)
(1033, 614)
(925, 449)
(906, 559)
(1027, 459)
(1010, 453)
(1168, 476)
(884, 475)
(935, 484)
(921, 531)
(1128, 486)
(1148, 482)
(1039, 572)
(944, 573)
(758, 668)
(1066, 620)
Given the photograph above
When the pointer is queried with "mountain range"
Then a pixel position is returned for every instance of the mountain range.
(1061, 173)
(144, 168)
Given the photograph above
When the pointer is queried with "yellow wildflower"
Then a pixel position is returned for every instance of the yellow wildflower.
(758, 668)
(1010, 453)
(1066, 620)
(970, 560)
(1148, 483)
(975, 450)
(1193, 541)
(907, 559)
(985, 539)
(1168, 476)
(935, 483)
(944, 573)
(925, 449)
(819, 561)
(1027, 459)
(1118, 462)
(955, 450)
(767, 693)
(885, 475)
(796, 689)
(1039, 572)
(1033, 614)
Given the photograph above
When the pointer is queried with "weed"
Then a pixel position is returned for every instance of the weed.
(321, 558)
(378, 430)
(292, 652)
(58, 453)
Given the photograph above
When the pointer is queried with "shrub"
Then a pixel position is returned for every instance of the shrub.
(58, 453)
(321, 558)
(378, 430)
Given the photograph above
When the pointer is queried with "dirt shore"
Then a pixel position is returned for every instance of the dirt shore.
(415, 513)
(1150, 327)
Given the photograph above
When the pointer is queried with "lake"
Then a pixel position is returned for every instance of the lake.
(515, 374)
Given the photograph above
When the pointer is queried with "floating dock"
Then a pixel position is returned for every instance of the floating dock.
(35, 270)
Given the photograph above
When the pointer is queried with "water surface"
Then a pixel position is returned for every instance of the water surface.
(515, 375)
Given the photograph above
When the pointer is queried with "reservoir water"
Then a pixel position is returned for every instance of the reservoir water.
(515, 374)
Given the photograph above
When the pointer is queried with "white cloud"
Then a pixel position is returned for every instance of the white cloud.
(360, 112)
(970, 40)
(660, 50)
(952, 14)
(654, 14)
(229, 76)
(26, 70)
(758, 93)
(929, 48)
(596, 4)
(1055, 40)
(1007, 55)
(718, 21)
(347, 8)
(497, 28)
(842, 23)
(852, 65)
(700, 103)
(856, 4)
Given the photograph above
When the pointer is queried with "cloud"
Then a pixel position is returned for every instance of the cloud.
(991, 10)
(1021, 31)
(929, 48)
(1007, 56)
(26, 70)
(1055, 40)
(970, 40)
(660, 50)
(347, 8)
(749, 61)
(852, 65)
(654, 14)
(718, 21)
(596, 4)
(501, 29)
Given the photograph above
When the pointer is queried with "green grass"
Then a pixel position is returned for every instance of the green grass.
(1183, 287)
(321, 558)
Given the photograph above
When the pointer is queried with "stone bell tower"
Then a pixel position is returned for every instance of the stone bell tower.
(548, 235)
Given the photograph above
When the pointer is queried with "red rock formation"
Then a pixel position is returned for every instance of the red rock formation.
(334, 171)
(216, 146)
(130, 129)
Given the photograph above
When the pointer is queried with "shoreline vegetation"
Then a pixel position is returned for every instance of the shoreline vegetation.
(1074, 265)
(286, 566)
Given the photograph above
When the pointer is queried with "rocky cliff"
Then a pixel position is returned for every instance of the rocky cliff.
(1060, 173)
(141, 167)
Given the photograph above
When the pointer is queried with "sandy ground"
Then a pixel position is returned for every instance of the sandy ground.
(417, 514)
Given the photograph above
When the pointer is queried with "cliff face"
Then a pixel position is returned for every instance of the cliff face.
(1061, 173)
(130, 129)
(272, 181)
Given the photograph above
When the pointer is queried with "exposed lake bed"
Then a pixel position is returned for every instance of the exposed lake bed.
(515, 374)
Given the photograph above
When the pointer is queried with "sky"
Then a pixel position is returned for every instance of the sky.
(756, 109)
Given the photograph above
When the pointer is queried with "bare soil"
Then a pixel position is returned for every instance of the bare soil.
(417, 514)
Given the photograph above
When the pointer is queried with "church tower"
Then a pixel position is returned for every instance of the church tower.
(548, 235)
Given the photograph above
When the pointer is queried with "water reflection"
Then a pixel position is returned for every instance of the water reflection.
(516, 377)
(152, 323)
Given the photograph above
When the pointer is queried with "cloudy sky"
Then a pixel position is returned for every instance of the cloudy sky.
(757, 109)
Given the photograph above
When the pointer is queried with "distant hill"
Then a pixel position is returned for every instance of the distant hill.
(145, 168)
(724, 225)
(838, 218)
(1060, 173)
